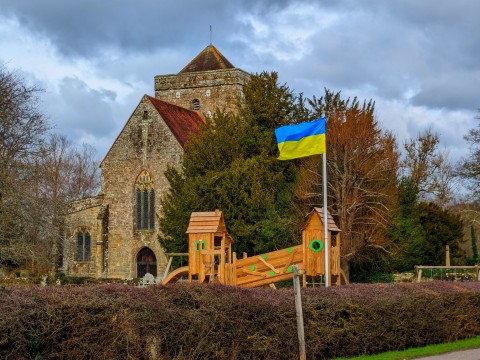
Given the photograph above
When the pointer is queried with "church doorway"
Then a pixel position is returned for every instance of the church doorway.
(146, 263)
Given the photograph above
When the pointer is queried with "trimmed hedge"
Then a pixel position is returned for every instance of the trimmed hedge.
(217, 322)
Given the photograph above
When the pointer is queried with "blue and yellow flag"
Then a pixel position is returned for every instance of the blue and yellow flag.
(305, 139)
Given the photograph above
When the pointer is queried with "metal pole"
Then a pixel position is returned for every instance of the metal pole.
(325, 220)
(299, 313)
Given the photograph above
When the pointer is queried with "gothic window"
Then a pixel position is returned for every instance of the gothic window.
(83, 245)
(195, 104)
(145, 202)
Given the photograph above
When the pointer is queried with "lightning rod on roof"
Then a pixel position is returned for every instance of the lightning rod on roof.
(210, 34)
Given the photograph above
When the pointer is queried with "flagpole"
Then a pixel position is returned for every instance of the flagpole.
(325, 220)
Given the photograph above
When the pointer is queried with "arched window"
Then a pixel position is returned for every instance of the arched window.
(145, 202)
(195, 104)
(83, 245)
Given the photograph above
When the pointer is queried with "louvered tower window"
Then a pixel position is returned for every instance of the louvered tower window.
(195, 104)
(145, 202)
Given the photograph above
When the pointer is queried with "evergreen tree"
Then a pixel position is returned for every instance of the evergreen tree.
(474, 244)
(420, 231)
(441, 228)
(406, 231)
(232, 166)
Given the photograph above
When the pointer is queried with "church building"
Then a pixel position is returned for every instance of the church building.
(114, 234)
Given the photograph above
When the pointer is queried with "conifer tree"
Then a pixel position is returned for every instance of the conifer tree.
(232, 166)
(474, 244)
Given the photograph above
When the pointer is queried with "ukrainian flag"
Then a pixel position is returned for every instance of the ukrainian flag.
(305, 139)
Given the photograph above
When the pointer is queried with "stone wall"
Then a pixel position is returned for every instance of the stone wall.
(214, 89)
(88, 214)
(145, 143)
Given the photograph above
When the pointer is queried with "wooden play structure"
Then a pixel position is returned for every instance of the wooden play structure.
(210, 256)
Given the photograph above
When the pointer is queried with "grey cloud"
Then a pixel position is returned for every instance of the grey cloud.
(390, 47)
(398, 47)
(455, 90)
(90, 27)
(80, 110)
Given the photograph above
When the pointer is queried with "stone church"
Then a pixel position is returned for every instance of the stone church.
(114, 234)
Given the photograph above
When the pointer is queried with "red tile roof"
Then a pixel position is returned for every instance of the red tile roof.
(181, 122)
(209, 59)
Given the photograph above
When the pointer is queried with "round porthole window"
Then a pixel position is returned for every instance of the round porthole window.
(316, 245)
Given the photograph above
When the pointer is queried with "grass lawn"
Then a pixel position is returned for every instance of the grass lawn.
(465, 344)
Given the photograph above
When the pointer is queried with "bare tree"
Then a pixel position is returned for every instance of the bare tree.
(429, 168)
(470, 167)
(65, 172)
(362, 170)
(38, 175)
(85, 178)
(22, 129)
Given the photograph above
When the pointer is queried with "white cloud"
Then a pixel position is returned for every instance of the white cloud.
(285, 34)
(406, 121)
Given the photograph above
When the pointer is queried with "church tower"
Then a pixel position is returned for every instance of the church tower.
(208, 82)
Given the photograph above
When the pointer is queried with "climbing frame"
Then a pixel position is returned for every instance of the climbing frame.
(210, 257)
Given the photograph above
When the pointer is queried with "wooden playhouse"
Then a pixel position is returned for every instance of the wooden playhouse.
(210, 256)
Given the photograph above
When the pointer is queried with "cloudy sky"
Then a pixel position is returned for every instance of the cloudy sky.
(419, 60)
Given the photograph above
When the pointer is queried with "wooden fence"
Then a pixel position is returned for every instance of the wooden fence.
(419, 270)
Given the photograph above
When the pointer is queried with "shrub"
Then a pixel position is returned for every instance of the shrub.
(218, 322)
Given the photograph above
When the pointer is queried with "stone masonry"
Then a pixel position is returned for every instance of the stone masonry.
(144, 143)
(213, 89)
(88, 214)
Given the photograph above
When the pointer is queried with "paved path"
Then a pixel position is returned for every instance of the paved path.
(472, 354)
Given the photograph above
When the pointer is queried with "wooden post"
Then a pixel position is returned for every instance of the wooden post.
(418, 272)
(221, 268)
(234, 268)
(447, 256)
(299, 312)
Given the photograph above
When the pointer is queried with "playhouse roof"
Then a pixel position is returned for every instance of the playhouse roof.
(331, 223)
(207, 222)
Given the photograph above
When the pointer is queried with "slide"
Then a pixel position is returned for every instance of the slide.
(175, 275)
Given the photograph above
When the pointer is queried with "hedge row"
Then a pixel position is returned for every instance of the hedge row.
(217, 322)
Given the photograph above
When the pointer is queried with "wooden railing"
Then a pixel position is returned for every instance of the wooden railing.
(335, 260)
(419, 269)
